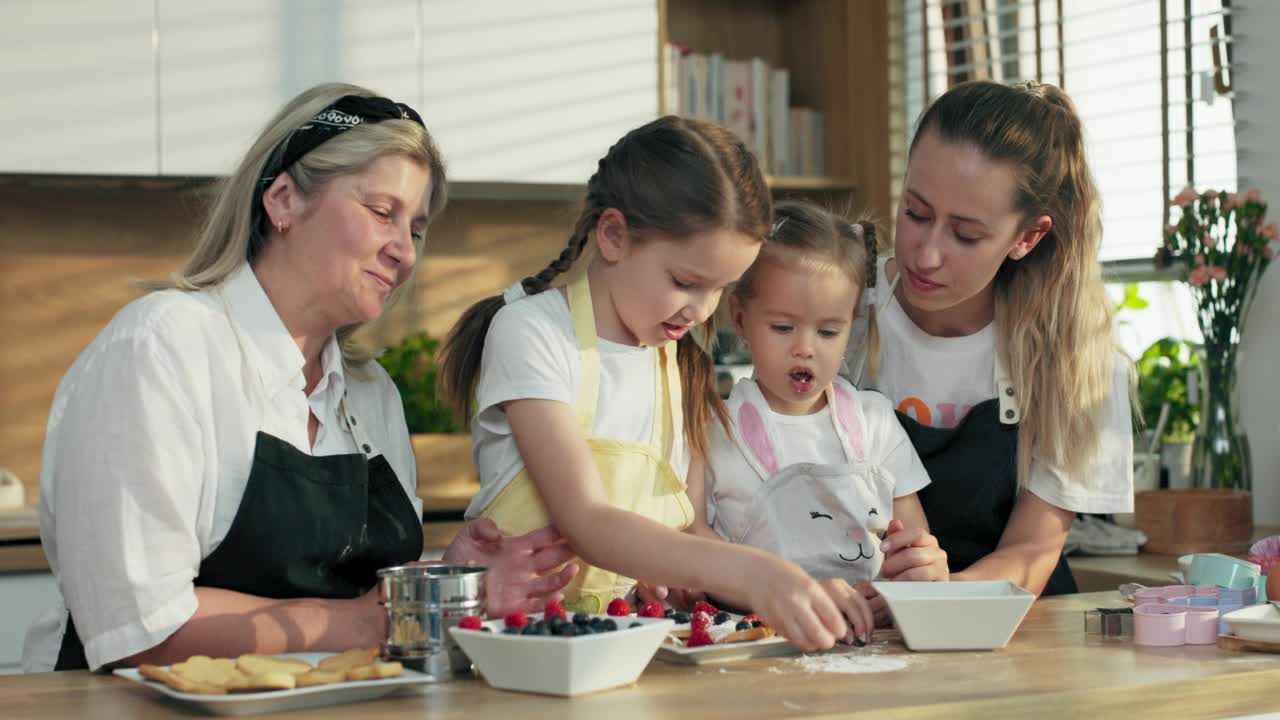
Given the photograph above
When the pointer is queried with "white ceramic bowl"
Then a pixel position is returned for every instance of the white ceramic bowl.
(564, 665)
(1256, 622)
(972, 615)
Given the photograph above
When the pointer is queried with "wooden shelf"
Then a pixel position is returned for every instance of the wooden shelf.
(795, 182)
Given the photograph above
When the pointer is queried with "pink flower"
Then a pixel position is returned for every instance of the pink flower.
(1217, 272)
(1233, 200)
(1184, 198)
(1270, 232)
(1253, 195)
(1198, 277)
(1267, 252)
(1200, 259)
(1243, 250)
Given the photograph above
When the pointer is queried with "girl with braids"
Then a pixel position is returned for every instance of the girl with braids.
(591, 403)
(995, 333)
(811, 468)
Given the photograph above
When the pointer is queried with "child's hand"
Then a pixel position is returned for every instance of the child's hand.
(912, 555)
(855, 607)
(879, 608)
(795, 605)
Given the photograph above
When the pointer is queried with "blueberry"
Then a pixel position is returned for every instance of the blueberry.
(609, 625)
(756, 623)
(722, 617)
(565, 630)
(554, 623)
(742, 625)
(581, 619)
(486, 628)
(595, 624)
(511, 631)
(668, 612)
(635, 625)
(529, 629)
(681, 618)
(583, 629)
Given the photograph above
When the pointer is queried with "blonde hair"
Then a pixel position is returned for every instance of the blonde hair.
(673, 177)
(1053, 319)
(805, 234)
(225, 237)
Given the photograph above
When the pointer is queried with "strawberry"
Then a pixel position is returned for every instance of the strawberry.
(752, 618)
(517, 620)
(554, 609)
(700, 621)
(651, 610)
(619, 607)
(698, 638)
(470, 622)
(706, 607)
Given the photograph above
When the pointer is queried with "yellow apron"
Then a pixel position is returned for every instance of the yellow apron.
(637, 477)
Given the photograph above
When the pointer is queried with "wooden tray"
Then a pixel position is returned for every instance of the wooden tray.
(1238, 644)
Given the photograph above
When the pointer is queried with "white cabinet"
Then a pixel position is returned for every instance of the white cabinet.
(536, 91)
(27, 595)
(226, 68)
(79, 87)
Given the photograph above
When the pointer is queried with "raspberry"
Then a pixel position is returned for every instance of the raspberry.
(517, 619)
(698, 638)
(650, 610)
(619, 607)
(700, 621)
(554, 609)
(470, 622)
(752, 618)
(706, 607)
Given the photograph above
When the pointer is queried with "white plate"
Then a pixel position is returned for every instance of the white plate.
(563, 665)
(972, 615)
(279, 700)
(706, 654)
(1256, 622)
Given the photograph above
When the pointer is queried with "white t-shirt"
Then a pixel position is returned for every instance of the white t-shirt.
(531, 353)
(148, 449)
(936, 380)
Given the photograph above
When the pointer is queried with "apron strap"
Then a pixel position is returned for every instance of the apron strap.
(669, 432)
(584, 329)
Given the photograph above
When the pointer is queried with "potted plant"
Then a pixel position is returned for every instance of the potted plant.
(1163, 370)
(1222, 246)
(446, 476)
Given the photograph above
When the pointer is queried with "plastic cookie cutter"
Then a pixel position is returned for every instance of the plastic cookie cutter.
(1109, 622)
(1217, 599)
(1165, 625)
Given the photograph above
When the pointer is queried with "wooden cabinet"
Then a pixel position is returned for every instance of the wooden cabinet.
(521, 91)
(79, 87)
(836, 53)
(225, 68)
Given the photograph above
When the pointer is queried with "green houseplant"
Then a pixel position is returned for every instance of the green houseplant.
(1162, 378)
(446, 477)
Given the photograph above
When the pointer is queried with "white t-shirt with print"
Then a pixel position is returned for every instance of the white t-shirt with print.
(531, 352)
(936, 380)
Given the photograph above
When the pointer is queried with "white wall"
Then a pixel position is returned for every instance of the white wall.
(1257, 105)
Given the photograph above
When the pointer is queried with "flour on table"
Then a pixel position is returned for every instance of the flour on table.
(849, 663)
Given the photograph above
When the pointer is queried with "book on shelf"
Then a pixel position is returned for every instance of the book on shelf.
(750, 98)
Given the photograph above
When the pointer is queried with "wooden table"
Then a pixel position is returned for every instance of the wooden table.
(1049, 670)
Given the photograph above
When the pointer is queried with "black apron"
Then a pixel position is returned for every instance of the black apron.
(973, 473)
(307, 527)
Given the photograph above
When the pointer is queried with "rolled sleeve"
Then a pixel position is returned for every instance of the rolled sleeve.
(127, 490)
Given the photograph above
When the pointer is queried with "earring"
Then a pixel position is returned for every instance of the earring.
(281, 227)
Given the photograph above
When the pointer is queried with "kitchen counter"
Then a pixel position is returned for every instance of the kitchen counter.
(1049, 670)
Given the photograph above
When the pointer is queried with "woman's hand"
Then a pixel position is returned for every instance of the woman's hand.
(518, 566)
(677, 598)
(912, 554)
(800, 608)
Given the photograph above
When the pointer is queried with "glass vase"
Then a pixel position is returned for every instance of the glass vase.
(1220, 456)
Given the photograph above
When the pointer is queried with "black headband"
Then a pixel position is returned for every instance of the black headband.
(340, 116)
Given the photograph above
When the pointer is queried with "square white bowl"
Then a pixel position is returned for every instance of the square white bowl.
(969, 615)
(1256, 622)
(564, 665)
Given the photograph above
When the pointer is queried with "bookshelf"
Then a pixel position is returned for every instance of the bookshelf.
(836, 54)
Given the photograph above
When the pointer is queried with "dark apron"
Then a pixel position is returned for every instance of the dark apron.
(307, 527)
(973, 473)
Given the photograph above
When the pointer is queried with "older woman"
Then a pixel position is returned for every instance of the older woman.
(223, 472)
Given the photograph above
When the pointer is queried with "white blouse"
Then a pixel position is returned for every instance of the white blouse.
(148, 449)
